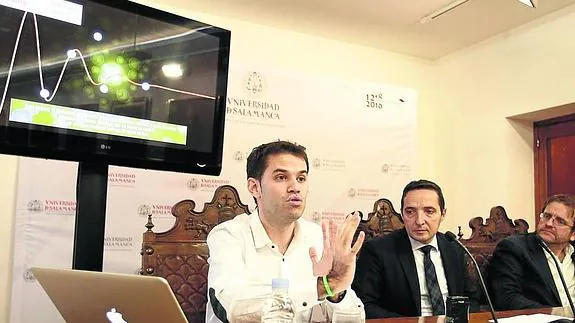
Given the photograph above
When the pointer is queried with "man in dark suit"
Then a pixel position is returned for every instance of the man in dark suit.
(410, 272)
(521, 275)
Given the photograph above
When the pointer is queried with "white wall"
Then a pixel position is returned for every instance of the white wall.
(490, 161)
(271, 47)
(8, 169)
(465, 140)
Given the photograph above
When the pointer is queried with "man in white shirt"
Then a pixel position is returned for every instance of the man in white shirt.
(247, 252)
(522, 275)
(410, 272)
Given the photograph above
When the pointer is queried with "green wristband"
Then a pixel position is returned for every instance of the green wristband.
(328, 290)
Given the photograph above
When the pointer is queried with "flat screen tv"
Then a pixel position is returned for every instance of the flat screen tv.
(112, 82)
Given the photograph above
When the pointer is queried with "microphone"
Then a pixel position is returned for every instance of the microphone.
(452, 238)
(546, 248)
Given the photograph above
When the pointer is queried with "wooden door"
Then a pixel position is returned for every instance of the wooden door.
(554, 158)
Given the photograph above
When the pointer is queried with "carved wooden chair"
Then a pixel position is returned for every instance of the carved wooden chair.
(381, 221)
(484, 238)
(180, 254)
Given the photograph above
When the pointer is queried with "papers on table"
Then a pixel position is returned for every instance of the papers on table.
(532, 318)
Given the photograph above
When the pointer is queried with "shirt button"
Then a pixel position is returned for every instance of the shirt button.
(283, 259)
(304, 304)
(273, 247)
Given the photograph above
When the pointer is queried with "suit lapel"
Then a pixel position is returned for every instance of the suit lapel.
(405, 254)
(450, 264)
(541, 265)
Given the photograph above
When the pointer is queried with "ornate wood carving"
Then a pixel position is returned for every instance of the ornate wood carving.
(496, 227)
(180, 254)
(382, 220)
(485, 236)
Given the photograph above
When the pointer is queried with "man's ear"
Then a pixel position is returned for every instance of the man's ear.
(254, 188)
(443, 213)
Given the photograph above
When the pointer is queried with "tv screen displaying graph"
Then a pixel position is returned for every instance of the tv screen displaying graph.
(112, 81)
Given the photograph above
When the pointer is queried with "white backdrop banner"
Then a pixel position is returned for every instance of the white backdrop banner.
(360, 138)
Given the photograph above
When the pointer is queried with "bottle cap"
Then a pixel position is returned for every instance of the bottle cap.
(280, 283)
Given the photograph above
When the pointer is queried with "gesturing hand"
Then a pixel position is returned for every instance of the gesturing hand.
(323, 266)
(344, 254)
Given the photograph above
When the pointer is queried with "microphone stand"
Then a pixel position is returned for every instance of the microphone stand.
(546, 248)
(451, 237)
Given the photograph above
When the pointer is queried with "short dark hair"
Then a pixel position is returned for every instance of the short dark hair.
(565, 199)
(258, 158)
(424, 184)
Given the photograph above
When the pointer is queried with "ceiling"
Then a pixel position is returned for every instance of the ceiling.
(393, 25)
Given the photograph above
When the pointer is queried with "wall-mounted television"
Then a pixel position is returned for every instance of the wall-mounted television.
(113, 82)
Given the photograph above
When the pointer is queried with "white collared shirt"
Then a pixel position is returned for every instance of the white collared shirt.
(435, 255)
(243, 261)
(568, 269)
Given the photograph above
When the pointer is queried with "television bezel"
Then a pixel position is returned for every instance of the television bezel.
(114, 151)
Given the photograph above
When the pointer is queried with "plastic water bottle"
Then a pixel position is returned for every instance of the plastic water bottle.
(278, 308)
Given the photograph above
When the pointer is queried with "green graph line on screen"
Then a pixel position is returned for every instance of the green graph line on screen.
(110, 76)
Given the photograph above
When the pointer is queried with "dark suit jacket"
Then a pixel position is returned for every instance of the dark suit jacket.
(518, 275)
(386, 276)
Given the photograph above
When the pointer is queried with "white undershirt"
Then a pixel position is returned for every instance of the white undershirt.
(435, 255)
(568, 270)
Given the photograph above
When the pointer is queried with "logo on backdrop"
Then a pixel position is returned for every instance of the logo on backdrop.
(253, 107)
(35, 206)
(378, 100)
(28, 276)
(254, 83)
(125, 179)
(316, 163)
(52, 207)
(156, 210)
(118, 243)
(144, 210)
(238, 156)
(241, 156)
(351, 192)
(329, 164)
(327, 215)
(385, 168)
(193, 184)
(206, 184)
(393, 169)
(316, 217)
(363, 193)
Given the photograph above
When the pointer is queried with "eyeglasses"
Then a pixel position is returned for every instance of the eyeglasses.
(555, 219)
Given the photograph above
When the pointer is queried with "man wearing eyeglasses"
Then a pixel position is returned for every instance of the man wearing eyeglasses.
(522, 275)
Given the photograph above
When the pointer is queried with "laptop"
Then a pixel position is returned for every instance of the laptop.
(88, 296)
